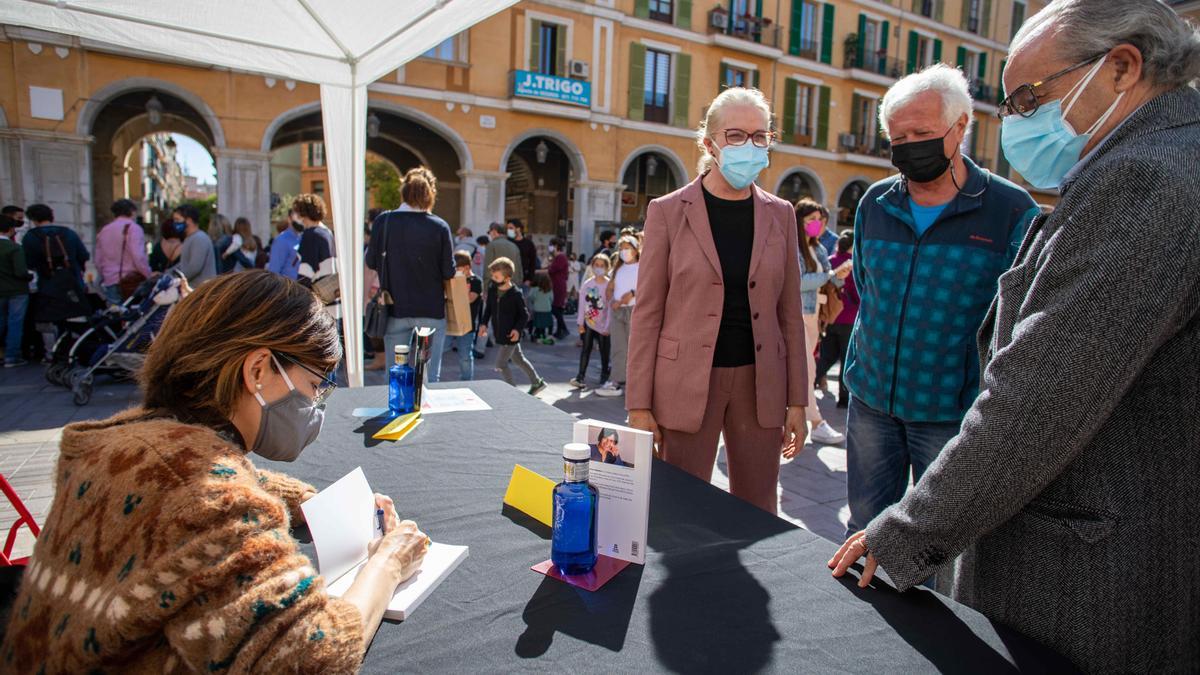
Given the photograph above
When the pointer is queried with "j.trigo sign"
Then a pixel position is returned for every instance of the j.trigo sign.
(551, 88)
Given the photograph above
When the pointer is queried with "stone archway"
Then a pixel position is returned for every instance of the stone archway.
(848, 198)
(649, 172)
(799, 182)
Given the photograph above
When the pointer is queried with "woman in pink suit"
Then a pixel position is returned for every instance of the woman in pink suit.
(717, 339)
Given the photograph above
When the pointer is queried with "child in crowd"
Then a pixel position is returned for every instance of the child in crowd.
(541, 297)
(505, 308)
(621, 303)
(465, 343)
(593, 319)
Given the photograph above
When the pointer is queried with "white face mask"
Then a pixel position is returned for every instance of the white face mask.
(551, 248)
(599, 271)
(627, 255)
(512, 234)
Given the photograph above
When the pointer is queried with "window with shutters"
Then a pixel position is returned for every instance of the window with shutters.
(549, 47)
(805, 35)
(737, 77)
(924, 51)
(657, 87)
(316, 154)
(863, 122)
(971, 64)
(806, 101)
(662, 10)
(973, 10)
(925, 7)
(1018, 18)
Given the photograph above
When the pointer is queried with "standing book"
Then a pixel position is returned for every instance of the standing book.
(341, 520)
(620, 472)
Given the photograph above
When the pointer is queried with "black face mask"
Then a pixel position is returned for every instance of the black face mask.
(921, 161)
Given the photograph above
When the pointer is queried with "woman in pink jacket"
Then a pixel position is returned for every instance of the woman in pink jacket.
(717, 339)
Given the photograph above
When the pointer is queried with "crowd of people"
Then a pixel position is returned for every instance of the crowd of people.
(1023, 429)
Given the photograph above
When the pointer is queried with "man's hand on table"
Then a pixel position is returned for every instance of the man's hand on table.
(850, 552)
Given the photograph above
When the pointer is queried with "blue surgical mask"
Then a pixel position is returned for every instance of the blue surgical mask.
(1043, 147)
(741, 164)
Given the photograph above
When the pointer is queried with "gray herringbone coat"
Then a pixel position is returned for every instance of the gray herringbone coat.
(1073, 487)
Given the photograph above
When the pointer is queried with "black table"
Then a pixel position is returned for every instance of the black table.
(727, 587)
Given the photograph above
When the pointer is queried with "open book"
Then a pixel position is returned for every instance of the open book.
(341, 519)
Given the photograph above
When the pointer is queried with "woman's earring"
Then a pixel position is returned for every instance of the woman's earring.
(258, 386)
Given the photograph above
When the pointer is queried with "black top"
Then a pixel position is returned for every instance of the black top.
(506, 312)
(316, 246)
(475, 285)
(419, 260)
(528, 251)
(732, 225)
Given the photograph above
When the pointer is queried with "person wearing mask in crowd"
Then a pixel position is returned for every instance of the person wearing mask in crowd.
(559, 271)
(197, 257)
(816, 271)
(608, 241)
(165, 251)
(121, 253)
(1070, 488)
(506, 311)
(285, 249)
(500, 246)
(182, 536)
(220, 231)
(317, 250)
(735, 366)
(621, 297)
(466, 242)
(528, 251)
(243, 248)
(412, 253)
(827, 237)
(57, 257)
(17, 214)
(14, 293)
(541, 300)
(929, 245)
(837, 334)
(465, 343)
(593, 318)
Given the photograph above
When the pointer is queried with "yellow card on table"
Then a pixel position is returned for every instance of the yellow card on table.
(530, 493)
(399, 427)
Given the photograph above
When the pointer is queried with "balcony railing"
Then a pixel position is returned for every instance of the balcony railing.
(805, 49)
(747, 27)
(878, 64)
(983, 93)
(872, 147)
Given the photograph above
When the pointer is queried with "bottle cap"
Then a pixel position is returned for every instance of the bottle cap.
(577, 451)
(401, 349)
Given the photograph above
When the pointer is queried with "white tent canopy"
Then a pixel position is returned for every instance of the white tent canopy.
(342, 45)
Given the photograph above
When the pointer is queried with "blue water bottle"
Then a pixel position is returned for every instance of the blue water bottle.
(401, 381)
(576, 503)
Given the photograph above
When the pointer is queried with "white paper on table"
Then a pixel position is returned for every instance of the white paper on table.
(624, 511)
(341, 520)
(451, 400)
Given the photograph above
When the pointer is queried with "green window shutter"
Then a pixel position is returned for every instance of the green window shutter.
(637, 81)
(535, 46)
(938, 7)
(641, 9)
(789, 110)
(823, 120)
(855, 116)
(758, 8)
(961, 55)
(985, 21)
(683, 85)
(937, 51)
(912, 51)
(883, 36)
(794, 28)
(722, 77)
(861, 47)
(917, 6)
(754, 78)
(983, 67)
(966, 14)
(683, 14)
(560, 56)
(827, 16)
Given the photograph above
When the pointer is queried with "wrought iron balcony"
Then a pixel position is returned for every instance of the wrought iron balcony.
(747, 27)
(858, 145)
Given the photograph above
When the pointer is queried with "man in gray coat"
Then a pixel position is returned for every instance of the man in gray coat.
(1072, 490)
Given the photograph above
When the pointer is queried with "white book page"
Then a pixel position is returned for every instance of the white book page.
(340, 520)
(440, 560)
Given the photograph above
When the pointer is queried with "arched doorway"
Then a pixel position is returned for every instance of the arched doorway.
(540, 187)
(395, 143)
(648, 175)
(798, 185)
(135, 151)
(848, 203)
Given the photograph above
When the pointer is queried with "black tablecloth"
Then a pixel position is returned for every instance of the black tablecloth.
(727, 587)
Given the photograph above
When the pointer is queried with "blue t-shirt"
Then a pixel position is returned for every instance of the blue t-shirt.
(924, 216)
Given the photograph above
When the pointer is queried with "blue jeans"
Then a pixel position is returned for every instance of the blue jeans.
(12, 324)
(880, 450)
(466, 356)
(113, 294)
(399, 332)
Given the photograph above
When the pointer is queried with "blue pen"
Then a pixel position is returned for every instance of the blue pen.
(379, 523)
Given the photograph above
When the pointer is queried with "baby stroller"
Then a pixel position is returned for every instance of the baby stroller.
(115, 343)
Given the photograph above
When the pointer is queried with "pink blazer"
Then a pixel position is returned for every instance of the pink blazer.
(679, 306)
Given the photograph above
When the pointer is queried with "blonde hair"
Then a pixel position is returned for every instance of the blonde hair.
(734, 96)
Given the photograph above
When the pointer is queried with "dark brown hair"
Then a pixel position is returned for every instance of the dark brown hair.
(194, 368)
(309, 206)
(804, 207)
(249, 241)
(542, 281)
(462, 259)
(419, 189)
(502, 265)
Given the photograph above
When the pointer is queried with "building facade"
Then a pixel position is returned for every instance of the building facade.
(568, 114)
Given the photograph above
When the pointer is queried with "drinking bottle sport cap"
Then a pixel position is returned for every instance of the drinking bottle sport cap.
(401, 349)
(577, 451)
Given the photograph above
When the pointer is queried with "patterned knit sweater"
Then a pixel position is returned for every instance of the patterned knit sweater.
(166, 551)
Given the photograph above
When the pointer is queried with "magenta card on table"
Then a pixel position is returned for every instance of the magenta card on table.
(606, 568)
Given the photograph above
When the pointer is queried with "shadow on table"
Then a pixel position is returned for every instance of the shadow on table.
(369, 427)
(528, 522)
(698, 539)
(600, 618)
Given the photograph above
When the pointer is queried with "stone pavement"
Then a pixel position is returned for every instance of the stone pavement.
(32, 414)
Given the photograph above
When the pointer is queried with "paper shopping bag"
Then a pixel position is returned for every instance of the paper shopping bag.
(458, 307)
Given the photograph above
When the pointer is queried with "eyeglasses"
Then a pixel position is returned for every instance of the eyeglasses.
(761, 139)
(324, 389)
(1024, 100)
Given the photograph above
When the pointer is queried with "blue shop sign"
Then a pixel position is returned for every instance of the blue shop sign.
(551, 88)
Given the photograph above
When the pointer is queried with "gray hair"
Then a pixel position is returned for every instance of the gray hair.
(1169, 44)
(947, 82)
(734, 96)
